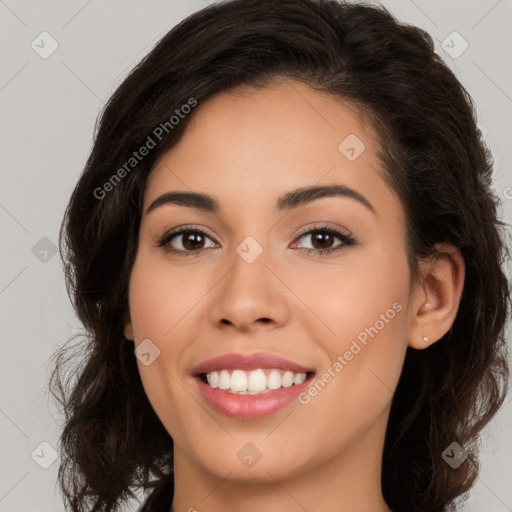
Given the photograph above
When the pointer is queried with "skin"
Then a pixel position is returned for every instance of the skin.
(246, 148)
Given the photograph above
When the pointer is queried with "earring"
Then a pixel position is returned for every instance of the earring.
(425, 339)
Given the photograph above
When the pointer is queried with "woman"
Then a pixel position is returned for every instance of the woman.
(284, 250)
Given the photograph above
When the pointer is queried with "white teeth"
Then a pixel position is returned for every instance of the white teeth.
(238, 381)
(257, 381)
(213, 379)
(287, 379)
(274, 380)
(299, 378)
(253, 382)
(224, 379)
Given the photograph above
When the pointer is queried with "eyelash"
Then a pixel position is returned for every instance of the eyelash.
(165, 239)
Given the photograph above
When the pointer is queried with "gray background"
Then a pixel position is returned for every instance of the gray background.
(48, 110)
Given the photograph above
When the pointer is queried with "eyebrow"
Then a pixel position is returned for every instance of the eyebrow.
(287, 201)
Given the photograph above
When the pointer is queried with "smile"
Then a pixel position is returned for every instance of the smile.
(251, 386)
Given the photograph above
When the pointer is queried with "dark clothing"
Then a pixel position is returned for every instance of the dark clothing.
(161, 497)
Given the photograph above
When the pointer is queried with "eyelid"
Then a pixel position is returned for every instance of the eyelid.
(322, 226)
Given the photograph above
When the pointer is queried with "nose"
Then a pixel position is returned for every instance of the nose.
(251, 296)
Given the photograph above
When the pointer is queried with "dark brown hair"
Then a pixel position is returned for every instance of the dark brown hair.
(435, 159)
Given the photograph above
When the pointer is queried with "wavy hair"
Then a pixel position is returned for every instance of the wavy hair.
(434, 158)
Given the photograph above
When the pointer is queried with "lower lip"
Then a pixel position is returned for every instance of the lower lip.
(249, 407)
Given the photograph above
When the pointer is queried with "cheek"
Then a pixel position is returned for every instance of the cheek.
(163, 309)
(161, 297)
(363, 307)
(158, 308)
(351, 294)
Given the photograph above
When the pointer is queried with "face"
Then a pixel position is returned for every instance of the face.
(321, 281)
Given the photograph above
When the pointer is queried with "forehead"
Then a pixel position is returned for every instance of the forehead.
(247, 145)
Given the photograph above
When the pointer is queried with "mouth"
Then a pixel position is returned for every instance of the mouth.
(251, 386)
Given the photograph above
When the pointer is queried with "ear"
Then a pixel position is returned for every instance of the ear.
(436, 299)
(128, 328)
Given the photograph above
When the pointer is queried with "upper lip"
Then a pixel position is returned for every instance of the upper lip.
(249, 362)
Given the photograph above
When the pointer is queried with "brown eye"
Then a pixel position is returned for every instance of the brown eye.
(185, 241)
(322, 239)
(192, 241)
